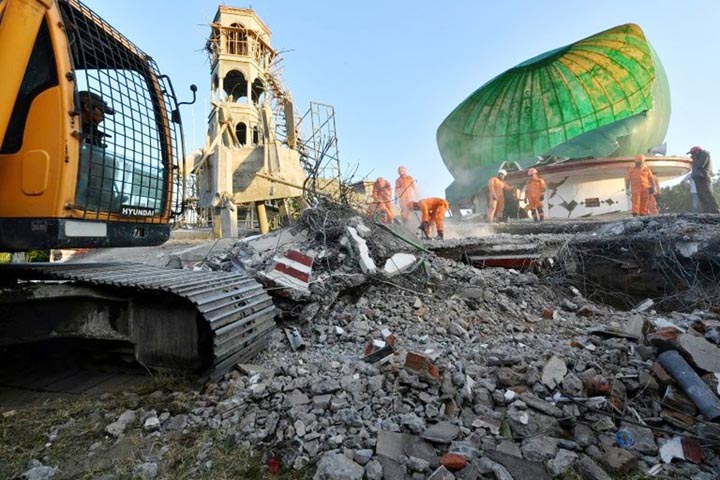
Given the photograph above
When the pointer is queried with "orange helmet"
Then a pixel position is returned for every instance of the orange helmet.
(531, 172)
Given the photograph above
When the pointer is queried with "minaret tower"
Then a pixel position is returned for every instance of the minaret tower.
(243, 161)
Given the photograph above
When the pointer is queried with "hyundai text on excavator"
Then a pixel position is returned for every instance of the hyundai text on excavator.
(90, 137)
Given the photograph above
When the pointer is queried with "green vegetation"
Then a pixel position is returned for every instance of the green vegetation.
(80, 421)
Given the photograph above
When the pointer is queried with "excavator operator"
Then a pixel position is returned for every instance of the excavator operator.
(92, 112)
(433, 211)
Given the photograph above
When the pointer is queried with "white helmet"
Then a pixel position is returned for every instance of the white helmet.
(502, 172)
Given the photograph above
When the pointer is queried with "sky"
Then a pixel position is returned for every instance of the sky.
(394, 70)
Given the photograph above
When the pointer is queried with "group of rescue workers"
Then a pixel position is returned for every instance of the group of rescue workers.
(533, 191)
(641, 185)
(433, 209)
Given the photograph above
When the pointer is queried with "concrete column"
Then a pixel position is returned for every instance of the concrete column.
(228, 221)
(262, 217)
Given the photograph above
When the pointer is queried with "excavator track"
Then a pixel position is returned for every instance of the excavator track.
(176, 319)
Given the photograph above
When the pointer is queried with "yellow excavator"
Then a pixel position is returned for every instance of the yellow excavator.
(90, 137)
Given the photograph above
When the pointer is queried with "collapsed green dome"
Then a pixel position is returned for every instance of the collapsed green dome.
(606, 95)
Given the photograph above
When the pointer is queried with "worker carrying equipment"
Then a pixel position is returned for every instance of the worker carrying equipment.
(638, 184)
(380, 207)
(535, 195)
(404, 192)
(496, 196)
(433, 212)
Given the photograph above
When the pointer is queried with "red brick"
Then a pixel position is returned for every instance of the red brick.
(453, 461)
(421, 365)
(692, 450)
(548, 313)
(661, 374)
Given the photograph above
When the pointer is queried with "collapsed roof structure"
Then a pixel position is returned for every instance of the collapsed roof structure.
(604, 96)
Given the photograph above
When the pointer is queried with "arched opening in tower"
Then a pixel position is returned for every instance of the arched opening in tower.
(258, 92)
(235, 86)
(241, 133)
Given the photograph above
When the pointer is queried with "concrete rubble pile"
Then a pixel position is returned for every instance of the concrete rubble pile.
(445, 371)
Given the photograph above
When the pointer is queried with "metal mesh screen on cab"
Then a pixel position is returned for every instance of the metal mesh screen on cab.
(129, 146)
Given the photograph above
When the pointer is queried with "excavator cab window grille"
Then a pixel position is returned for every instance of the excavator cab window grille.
(129, 146)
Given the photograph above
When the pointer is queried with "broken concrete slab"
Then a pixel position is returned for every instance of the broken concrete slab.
(554, 372)
(336, 466)
(591, 470)
(415, 446)
(540, 405)
(619, 460)
(190, 256)
(563, 461)
(441, 473)
(702, 353)
(390, 444)
(399, 263)
(367, 264)
(539, 448)
(442, 432)
(518, 467)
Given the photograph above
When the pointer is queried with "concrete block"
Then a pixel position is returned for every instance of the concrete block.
(367, 264)
(399, 263)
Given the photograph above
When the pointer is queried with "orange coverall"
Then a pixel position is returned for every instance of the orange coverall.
(496, 198)
(433, 211)
(405, 192)
(640, 179)
(652, 201)
(534, 189)
(382, 200)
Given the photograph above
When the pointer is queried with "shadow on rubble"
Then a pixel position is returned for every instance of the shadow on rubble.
(673, 260)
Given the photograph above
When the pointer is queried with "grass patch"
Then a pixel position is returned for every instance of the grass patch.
(80, 422)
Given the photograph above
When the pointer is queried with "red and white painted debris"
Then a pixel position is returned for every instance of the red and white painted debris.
(292, 269)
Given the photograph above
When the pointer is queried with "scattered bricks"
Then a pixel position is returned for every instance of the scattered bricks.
(692, 450)
(678, 419)
(600, 385)
(681, 448)
(678, 401)
(453, 461)
(661, 374)
(419, 364)
(664, 337)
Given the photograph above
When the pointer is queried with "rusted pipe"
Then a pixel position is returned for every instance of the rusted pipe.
(692, 384)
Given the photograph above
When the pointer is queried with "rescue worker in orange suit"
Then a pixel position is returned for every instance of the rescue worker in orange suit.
(433, 212)
(535, 195)
(653, 208)
(404, 192)
(496, 196)
(638, 184)
(382, 200)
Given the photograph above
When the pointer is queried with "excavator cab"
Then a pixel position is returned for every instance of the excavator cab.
(88, 148)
